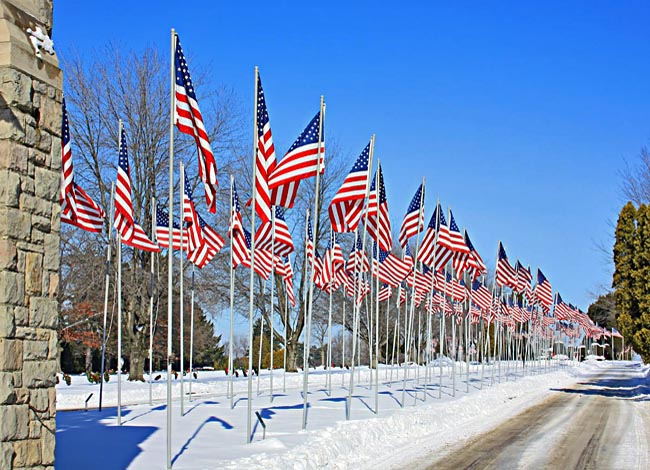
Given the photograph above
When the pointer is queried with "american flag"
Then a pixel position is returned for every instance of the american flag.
(240, 251)
(524, 277)
(423, 280)
(162, 231)
(446, 285)
(408, 256)
(385, 293)
(505, 273)
(347, 204)
(560, 309)
(388, 267)
(414, 219)
(283, 244)
(300, 162)
(378, 223)
(287, 277)
(481, 296)
(211, 245)
(433, 252)
(456, 241)
(263, 258)
(190, 216)
(543, 290)
(132, 234)
(190, 121)
(337, 254)
(77, 208)
(358, 260)
(472, 261)
(265, 159)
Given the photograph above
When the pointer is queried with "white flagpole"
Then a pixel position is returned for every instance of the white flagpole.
(329, 316)
(311, 277)
(259, 357)
(119, 330)
(387, 328)
(170, 264)
(119, 311)
(358, 270)
(286, 328)
(151, 287)
(231, 392)
(377, 248)
(343, 343)
(272, 314)
(181, 295)
(106, 290)
(249, 422)
(191, 334)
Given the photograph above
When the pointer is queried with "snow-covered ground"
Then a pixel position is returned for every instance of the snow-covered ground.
(212, 435)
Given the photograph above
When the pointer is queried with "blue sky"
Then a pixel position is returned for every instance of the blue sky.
(519, 115)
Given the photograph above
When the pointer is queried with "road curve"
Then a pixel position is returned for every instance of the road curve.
(601, 423)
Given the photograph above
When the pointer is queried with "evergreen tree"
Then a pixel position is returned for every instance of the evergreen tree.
(623, 282)
(641, 286)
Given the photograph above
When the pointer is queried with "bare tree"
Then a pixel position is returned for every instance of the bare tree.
(635, 179)
(133, 86)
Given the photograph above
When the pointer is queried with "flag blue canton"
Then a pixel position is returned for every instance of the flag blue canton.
(262, 113)
(415, 202)
(182, 72)
(452, 223)
(502, 252)
(235, 198)
(123, 160)
(309, 135)
(162, 219)
(65, 129)
(188, 187)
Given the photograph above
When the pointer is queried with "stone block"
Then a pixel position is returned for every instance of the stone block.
(47, 183)
(52, 287)
(28, 202)
(7, 393)
(7, 455)
(7, 321)
(16, 89)
(14, 156)
(51, 259)
(39, 374)
(55, 153)
(50, 115)
(9, 188)
(48, 443)
(35, 429)
(28, 453)
(53, 346)
(12, 288)
(21, 314)
(43, 312)
(11, 125)
(14, 423)
(11, 354)
(35, 350)
(28, 185)
(43, 208)
(40, 223)
(39, 399)
(33, 273)
(14, 223)
(8, 255)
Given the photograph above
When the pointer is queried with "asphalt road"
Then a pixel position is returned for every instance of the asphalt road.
(601, 423)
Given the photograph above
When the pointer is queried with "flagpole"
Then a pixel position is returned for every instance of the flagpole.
(311, 278)
(119, 330)
(151, 287)
(119, 309)
(106, 289)
(191, 334)
(259, 357)
(359, 258)
(181, 299)
(377, 248)
(232, 301)
(170, 264)
(329, 315)
(343, 342)
(286, 328)
(249, 423)
(272, 290)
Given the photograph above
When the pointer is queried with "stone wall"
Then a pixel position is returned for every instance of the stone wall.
(30, 127)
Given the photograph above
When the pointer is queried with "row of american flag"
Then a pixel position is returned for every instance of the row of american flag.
(444, 270)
